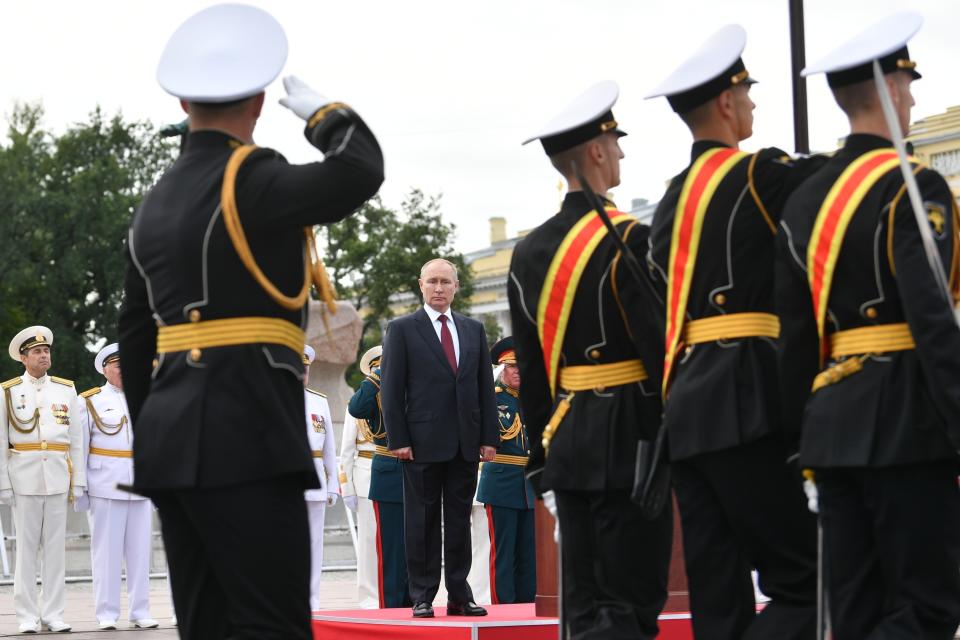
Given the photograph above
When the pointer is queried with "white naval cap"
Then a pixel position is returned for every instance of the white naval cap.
(585, 118)
(309, 355)
(372, 355)
(712, 69)
(106, 355)
(885, 41)
(30, 337)
(224, 53)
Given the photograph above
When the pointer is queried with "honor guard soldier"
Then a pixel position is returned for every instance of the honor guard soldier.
(507, 493)
(323, 447)
(121, 529)
(386, 487)
(869, 368)
(712, 245)
(221, 252)
(589, 351)
(356, 458)
(41, 469)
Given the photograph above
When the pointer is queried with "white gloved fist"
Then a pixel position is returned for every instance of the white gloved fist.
(550, 502)
(7, 497)
(78, 492)
(332, 499)
(301, 99)
(81, 503)
(350, 502)
(813, 497)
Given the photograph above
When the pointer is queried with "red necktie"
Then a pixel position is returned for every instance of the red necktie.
(446, 340)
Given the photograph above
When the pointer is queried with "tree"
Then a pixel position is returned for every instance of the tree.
(66, 202)
(374, 257)
(492, 327)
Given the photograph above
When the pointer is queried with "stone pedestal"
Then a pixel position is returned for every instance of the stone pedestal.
(336, 350)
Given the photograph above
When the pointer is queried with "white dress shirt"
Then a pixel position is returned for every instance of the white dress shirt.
(435, 319)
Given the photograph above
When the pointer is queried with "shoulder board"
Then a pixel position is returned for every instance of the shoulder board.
(63, 381)
(498, 389)
(316, 393)
(12, 382)
(90, 392)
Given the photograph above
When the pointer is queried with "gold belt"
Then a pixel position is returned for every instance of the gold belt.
(593, 376)
(317, 453)
(365, 454)
(383, 451)
(730, 327)
(862, 342)
(519, 461)
(112, 453)
(586, 377)
(42, 446)
(227, 332)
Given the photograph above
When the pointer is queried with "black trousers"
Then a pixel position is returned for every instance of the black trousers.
(744, 508)
(892, 547)
(239, 560)
(430, 488)
(615, 565)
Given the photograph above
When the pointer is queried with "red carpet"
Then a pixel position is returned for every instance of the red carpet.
(504, 622)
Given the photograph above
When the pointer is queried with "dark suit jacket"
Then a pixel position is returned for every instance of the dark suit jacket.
(236, 414)
(424, 405)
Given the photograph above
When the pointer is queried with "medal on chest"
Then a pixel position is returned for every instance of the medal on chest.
(319, 424)
(61, 414)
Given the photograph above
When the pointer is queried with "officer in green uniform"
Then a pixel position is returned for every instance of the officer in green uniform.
(507, 494)
(386, 491)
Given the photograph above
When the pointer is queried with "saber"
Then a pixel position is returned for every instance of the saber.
(916, 204)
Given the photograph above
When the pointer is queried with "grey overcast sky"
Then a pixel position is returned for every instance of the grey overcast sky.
(452, 87)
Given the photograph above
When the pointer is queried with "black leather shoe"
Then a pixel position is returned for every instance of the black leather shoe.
(423, 610)
(465, 609)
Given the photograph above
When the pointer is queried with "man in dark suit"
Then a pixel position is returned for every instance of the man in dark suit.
(220, 441)
(441, 419)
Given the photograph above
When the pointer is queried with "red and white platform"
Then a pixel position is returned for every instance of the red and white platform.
(503, 622)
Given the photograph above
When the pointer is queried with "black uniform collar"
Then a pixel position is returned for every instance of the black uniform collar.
(211, 139)
(576, 201)
(862, 142)
(700, 146)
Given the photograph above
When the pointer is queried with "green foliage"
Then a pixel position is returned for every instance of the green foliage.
(65, 205)
(374, 258)
(492, 327)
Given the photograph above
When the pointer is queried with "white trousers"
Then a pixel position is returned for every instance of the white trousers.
(316, 510)
(41, 522)
(367, 572)
(120, 530)
(479, 576)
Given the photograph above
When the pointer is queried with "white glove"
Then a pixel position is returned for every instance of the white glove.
(81, 503)
(331, 499)
(79, 492)
(550, 502)
(350, 502)
(301, 99)
(7, 497)
(813, 497)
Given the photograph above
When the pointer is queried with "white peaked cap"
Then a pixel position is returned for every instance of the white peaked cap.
(880, 39)
(225, 52)
(105, 353)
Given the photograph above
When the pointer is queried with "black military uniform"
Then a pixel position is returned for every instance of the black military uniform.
(742, 506)
(614, 562)
(220, 445)
(882, 426)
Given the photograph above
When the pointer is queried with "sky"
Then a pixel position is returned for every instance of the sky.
(451, 88)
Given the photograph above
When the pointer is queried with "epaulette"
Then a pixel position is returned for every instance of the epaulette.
(63, 381)
(316, 393)
(90, 392)
(12, 382)
(498, 388)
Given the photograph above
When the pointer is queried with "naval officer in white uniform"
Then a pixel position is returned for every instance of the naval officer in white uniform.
(41, 464)
(324, 448)
(121, 523)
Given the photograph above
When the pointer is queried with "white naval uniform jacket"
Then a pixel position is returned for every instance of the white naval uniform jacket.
(321, 439)
(40, 472)
(354, 470)
(105, 471)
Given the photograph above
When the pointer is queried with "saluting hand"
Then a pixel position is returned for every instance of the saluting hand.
(301, 99)
(403, 453)
(487, 453)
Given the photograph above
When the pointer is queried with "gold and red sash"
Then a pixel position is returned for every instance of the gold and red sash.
(560, 286)
(706, 174)
(842, 201)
